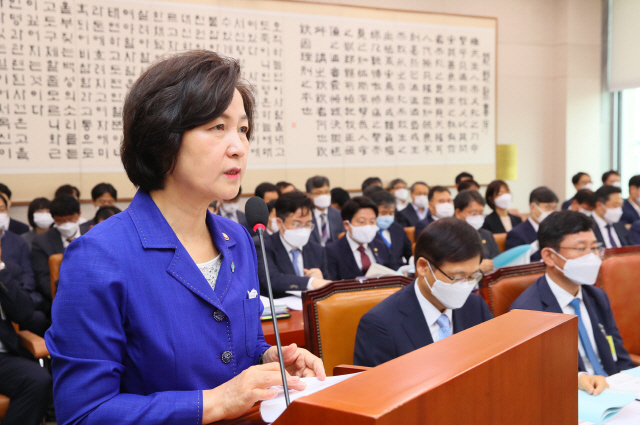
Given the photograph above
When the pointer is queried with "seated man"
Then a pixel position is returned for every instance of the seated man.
(609, 231)
(440, 206)
(464, 176)
(295, 262)
(611, 178)
(285, 187)
(542, 202)
(631, 207)
(6, 222)
(339, 197)
(371, 181)
(572, 254)
(391, 233)
(230, 209)
(469, 206)
(580, 181)
(584, 202)
(326, 219)
(351, 256)
(468, 185)
(267, 191)
(418, 207)
(437, 304)
(398, 189)
(102, 195)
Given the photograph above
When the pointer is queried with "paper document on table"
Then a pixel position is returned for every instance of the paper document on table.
(601, 408)
(378, 270)
(270, 410)
(295, 293)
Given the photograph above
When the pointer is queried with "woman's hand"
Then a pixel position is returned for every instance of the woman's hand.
(592, 384)
(235, 397)
(297, 361)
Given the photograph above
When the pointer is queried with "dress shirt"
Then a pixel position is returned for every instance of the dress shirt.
(356, 254)
(386, 235)
(300, 264)
(317, 213)
(535, 225)
(634, 205)
(564, 298)
(66, 242)
(506, 222)
(602, 225)
(421, 215)
(231, 216)
(432, 314)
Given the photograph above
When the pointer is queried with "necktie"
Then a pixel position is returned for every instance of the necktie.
(295, 253)
(386, 242)
(445, 328)
(613, 242)
(586, 342)
(323, 227)
(230, 216)
(364, 258)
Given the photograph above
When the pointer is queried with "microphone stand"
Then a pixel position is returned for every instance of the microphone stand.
(260, 231)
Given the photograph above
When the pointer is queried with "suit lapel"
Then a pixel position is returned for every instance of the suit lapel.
(316, 235)
(413, 322)
(604, 350)
(348, 259)
(282, 256)
(460, 320)
(549, 301)
(56, 241)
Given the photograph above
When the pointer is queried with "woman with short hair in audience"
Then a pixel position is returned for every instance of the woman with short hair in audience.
(39, 218)
(499, 198)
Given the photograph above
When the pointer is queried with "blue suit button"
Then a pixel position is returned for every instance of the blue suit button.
(219, 316)
(227, 356)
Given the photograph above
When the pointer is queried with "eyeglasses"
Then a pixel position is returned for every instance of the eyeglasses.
(598, 249)
(473, 278)
(295, 226)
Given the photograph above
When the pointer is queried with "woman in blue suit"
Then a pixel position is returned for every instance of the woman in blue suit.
(157, 316)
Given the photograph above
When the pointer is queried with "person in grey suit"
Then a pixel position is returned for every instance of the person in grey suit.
(327, 221)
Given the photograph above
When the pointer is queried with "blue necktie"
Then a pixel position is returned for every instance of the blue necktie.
(586, 342)
(613, 242)
(445, 328)
(295, 253)
(383, 238)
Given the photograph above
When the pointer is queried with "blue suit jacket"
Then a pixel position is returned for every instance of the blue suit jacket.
(17, 227)
(619, 228)
(408, 217)
(283, 275)
(539, 297)
(342, 264)
(400, 244)
(634, 233)
(335, 226)
(629, 214)
(134, 339)
(566, 204)
(397, 326)
(422, 224)
(523, 234)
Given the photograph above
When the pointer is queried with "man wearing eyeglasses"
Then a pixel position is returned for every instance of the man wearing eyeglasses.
(437, 304)
(572, 256)
(295, 262)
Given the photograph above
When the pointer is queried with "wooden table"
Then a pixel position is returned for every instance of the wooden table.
(291, 330)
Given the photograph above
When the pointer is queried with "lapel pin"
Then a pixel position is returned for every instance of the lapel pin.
(375, 249)
(226, 238)
(233, 267)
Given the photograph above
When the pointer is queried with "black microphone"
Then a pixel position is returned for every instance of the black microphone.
(257, 215)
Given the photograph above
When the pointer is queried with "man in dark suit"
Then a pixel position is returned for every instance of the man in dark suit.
(568, 245)
(391, 233)
(65, 211)
(418, 208)
(634, 233)
(580, 181)
(326, 219)
(102, 195)
(448, 253)
(631, 207)
(542, 203)
(295, 262)
(6, 222)
(230, 209)
(584, 202)
(609, 230)
(440, 206)
(351, 256)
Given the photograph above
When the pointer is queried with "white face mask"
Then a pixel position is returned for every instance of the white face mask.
(273, 225)
(421, 201)
(322, 201)
(503, 201)
(230, 207)
(297, 237)
(450, 295)
(43, 220)
(401, 194)
(583, 270)
(616, 184)
(4, 221)
(542, 214)
(585, 212)
(587, 186)
(68, 229)
(613, 215)
(476, 221)
(444, 210)
(363, 234)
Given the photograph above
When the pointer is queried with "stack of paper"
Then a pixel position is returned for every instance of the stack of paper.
(599, 409)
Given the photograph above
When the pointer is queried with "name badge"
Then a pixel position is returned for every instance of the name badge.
(613, 348)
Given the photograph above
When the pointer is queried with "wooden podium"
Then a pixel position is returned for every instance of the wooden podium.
(520, 368)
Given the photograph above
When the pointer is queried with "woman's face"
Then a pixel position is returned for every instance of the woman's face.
(213, 157)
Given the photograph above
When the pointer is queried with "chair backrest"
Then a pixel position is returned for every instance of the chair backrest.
(4, 406)
(501, 240)
(411, 233)
(332, 314)
(341, 235)
(501, 287)
(54, 272)
(619, 279)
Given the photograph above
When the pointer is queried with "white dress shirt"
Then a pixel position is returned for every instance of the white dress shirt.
(386, 235)
(432, 314)
(231, 216)
(602, 225)
(564, 298)
(635, 206)
(421, 215)
(535, 225)
(66, 242)
(356, 254)
(317, 213)
(300, 262)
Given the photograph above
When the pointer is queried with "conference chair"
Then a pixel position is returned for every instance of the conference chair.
(501, 240)
(341, 235)
(618, 278)
(332, 313)
(411, 233)
(501, 287)
(54, 273)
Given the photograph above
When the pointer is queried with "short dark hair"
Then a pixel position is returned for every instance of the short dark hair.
(493, 188)
(289, 203)
(64, 205)
(353, 205)
(466, 197)
(35, 205)
(437, 189)
(608, 174)
(575, 179)
(316, 182)
(413, 186)
(448, 240)
(102, 188)
(383, 197)
(271, 205)
(586, 196)
(174, 95)
(5, 189)
(634, 181)
(560, 224)
(395, 182)
(104, 213)
(370, 181)
(466, 185)
(604, 193)
(542, 195)
(67, 189)
(463, 175)
(265, 187)
(371, 189)
(4, 199)
(339, 196)
(282, 184)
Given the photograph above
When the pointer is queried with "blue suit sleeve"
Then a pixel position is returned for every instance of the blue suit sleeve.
(40, 264)
(624, 359)
(514, 240)
(374, 344)
(324, 268)
(27, 278)
(332, 262)
(634, 233)
(87, 343)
